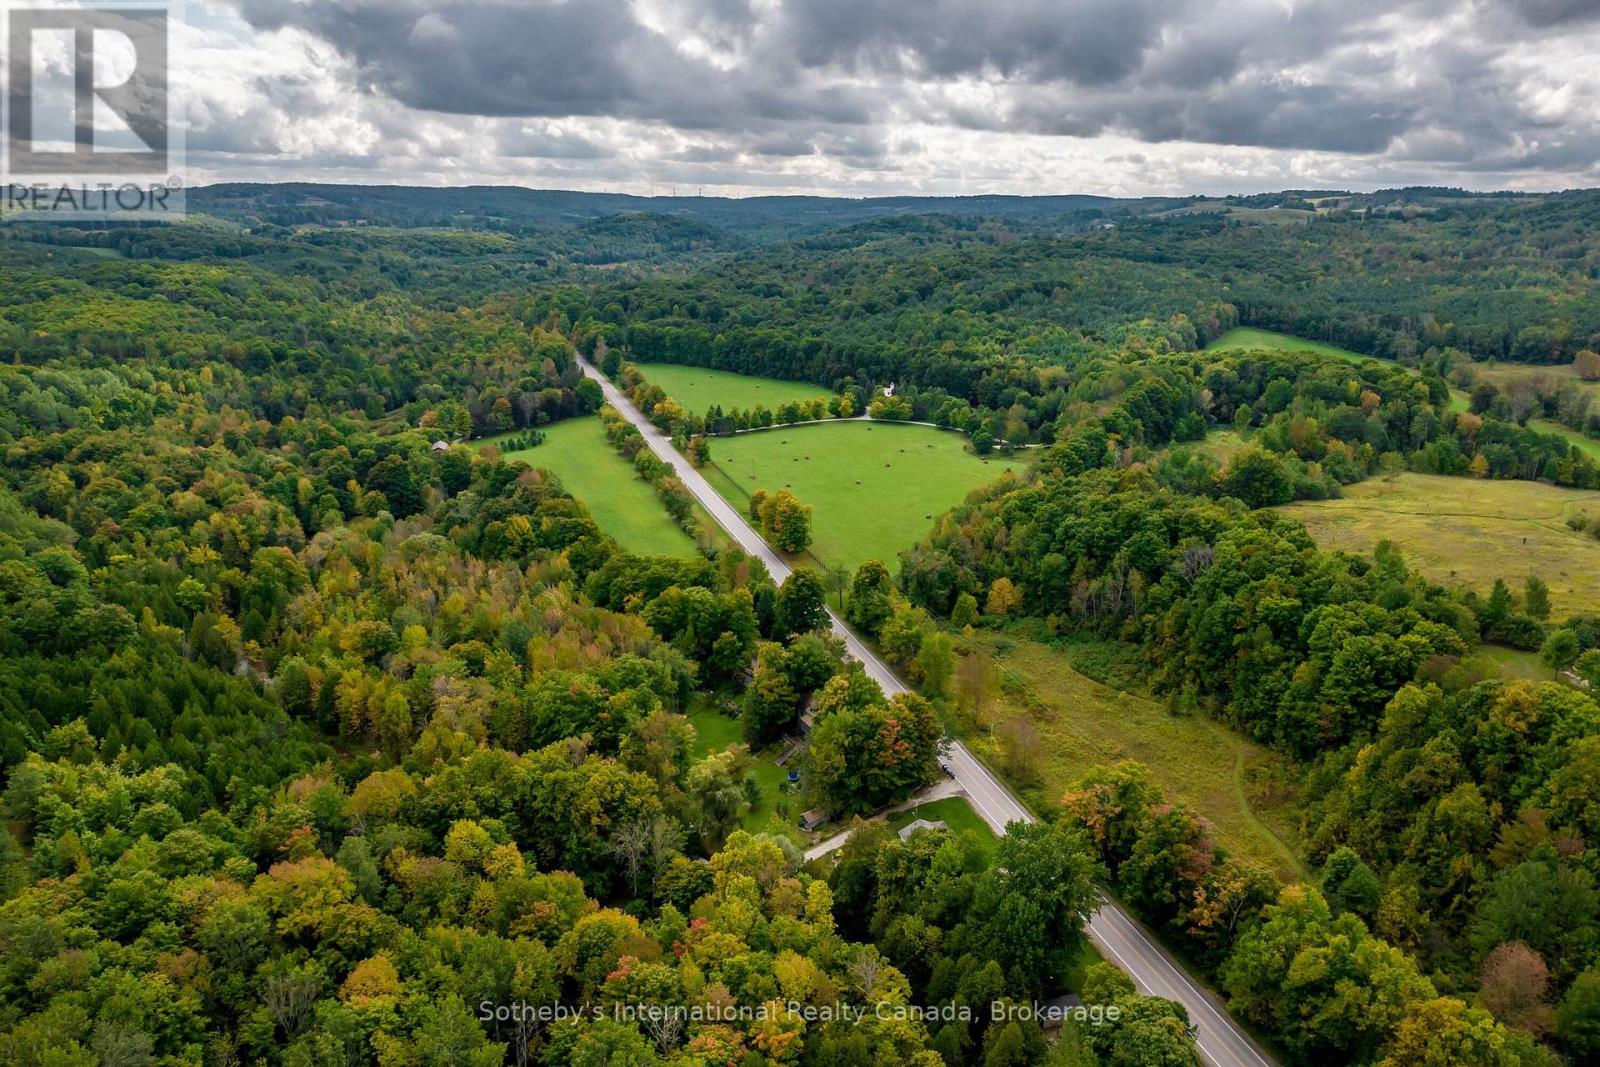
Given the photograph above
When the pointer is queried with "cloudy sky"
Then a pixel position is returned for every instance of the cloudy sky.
(870, 97)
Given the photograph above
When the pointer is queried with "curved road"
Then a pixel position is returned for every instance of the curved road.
(1118, 936)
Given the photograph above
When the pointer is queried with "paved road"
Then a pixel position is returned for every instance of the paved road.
(1222, 1043)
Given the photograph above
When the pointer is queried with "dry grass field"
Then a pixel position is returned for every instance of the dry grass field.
(1074, 723)
(1470, 532)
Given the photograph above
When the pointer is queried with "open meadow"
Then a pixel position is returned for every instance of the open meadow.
(1507, 376)
(1066, 723)
(626, 506)
(698, 389)
(1466, 531)
(875, 487)
(1246, 338)
(1544, 379)
(1501, 374)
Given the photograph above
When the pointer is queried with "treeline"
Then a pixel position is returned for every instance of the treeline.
(1535, 393)
(276, 345)
(672, 417)
(1336, 660)
(1306, 964)
(975, 313)
(674, 495)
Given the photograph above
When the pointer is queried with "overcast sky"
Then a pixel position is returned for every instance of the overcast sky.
(871, 97)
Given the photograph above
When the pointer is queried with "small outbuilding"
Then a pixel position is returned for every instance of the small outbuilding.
(917, 825)
(813, 819)
(441, 446)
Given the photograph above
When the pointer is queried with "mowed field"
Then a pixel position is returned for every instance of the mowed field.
(1079, 723)
(699, 389)
(875, 487)
(626, 506)
(1246, 338)
(1461, 530)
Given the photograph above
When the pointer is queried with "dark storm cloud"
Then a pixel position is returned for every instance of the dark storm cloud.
(483, 59)
(1282, 115)
(523, 143)
(571, 58)
(831, 77)
(1556, 12)
(1080, 41)
(783, 145)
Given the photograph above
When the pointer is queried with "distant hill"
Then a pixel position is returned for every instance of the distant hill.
(504, 207)
(729, 223)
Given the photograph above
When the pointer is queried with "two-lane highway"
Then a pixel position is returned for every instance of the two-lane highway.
(1221, 1041)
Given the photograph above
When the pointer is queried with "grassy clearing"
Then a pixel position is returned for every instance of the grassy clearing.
(1459, 530)
(779, 808)
(626, 506)
(1077, 723)
(875, 487)
(1221, 445)
(1275, 216)
(954, 812)
(1224, 444)
(713, 731)
(1506, 376)
(1515, 663)
(1585, 444)
(698, 388)
(1247, 338)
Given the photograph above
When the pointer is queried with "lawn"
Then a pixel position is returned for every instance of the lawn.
(713, 731)
(1469, 532)
(875, 487)
(954, 812)
(1078, 723)
(778, 811)
(698, 388)
(626, 506)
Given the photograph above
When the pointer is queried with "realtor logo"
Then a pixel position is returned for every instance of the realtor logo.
(88, 126)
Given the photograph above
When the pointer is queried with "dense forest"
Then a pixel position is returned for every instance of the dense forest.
(321, 729)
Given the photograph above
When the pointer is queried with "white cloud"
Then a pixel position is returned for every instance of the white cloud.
(857, 97)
